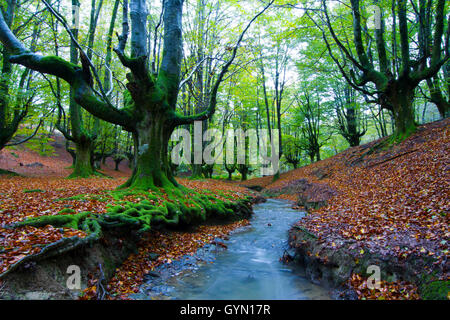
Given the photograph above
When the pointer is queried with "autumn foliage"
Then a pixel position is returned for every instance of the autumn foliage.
(34, 196)
(392, 200)
(389, 200)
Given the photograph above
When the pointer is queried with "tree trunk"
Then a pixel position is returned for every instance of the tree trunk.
(353, 133)
(403, 112)
(152, 166)
(83, 141)
(83, 166)
(438, 99)
(243, 170)
(196, 171)
(117, 162)
(443, 107)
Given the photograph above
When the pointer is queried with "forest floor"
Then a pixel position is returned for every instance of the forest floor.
(393, 201)
(42, 184)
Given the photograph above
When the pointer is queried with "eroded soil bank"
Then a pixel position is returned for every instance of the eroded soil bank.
(375, 205)
(245, 265)
(338, 266)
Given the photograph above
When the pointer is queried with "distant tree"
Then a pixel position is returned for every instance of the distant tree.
(395, 69)
(350, 119)
(309, 114)
(15, 104)
(292, 150)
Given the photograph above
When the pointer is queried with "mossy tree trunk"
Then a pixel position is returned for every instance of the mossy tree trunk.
(83, 140)
(196, 171)
(396, 74)
(400, 99)
(350, 121)
(83, 166)
(243, 170)
(152, 165)
(437, 95)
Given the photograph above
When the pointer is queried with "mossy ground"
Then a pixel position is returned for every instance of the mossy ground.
(141, 210)
(8, 173)
(436, 290)
(32, 190)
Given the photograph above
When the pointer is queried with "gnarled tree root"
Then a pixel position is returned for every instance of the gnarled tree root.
(181, 208)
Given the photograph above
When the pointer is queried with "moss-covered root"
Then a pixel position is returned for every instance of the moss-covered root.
(177, 209)
(84, 221)
(9, 173)
(436, 290)
(180, 207)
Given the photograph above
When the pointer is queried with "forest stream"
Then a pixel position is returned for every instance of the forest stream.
(250, 267)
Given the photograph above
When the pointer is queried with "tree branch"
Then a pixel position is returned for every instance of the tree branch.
(71, 73)
(180, 120)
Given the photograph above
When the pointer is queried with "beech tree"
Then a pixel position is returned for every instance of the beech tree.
(310, 114)
(394, 68)
(349, 117)
(149, 112)
(83, 139)
(14, 109)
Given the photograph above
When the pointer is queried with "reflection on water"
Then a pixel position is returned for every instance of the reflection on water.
(248, 269)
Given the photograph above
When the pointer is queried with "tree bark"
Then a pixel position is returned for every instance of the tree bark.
(83, 141)
(400, 98)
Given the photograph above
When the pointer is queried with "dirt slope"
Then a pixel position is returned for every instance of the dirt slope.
(393, 202)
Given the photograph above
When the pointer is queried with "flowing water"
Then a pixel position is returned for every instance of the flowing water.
(250, 268)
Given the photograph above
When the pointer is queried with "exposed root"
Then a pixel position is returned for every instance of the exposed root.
(135, 211)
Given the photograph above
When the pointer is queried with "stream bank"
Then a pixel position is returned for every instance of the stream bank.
(333, 267)
(244, 266)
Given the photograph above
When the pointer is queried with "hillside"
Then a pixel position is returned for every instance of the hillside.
(384, 206)
(391, 202)
(30, 163)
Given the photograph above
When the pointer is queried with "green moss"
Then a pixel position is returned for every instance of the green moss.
(86, 197)
(399, 137)
(84, 173)
(63, 220)
(80, 197)
(166, 207)
(119, 194)
(436, 290)
(9, 173)
(57, 62)
(32, 190)
(66, 210)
